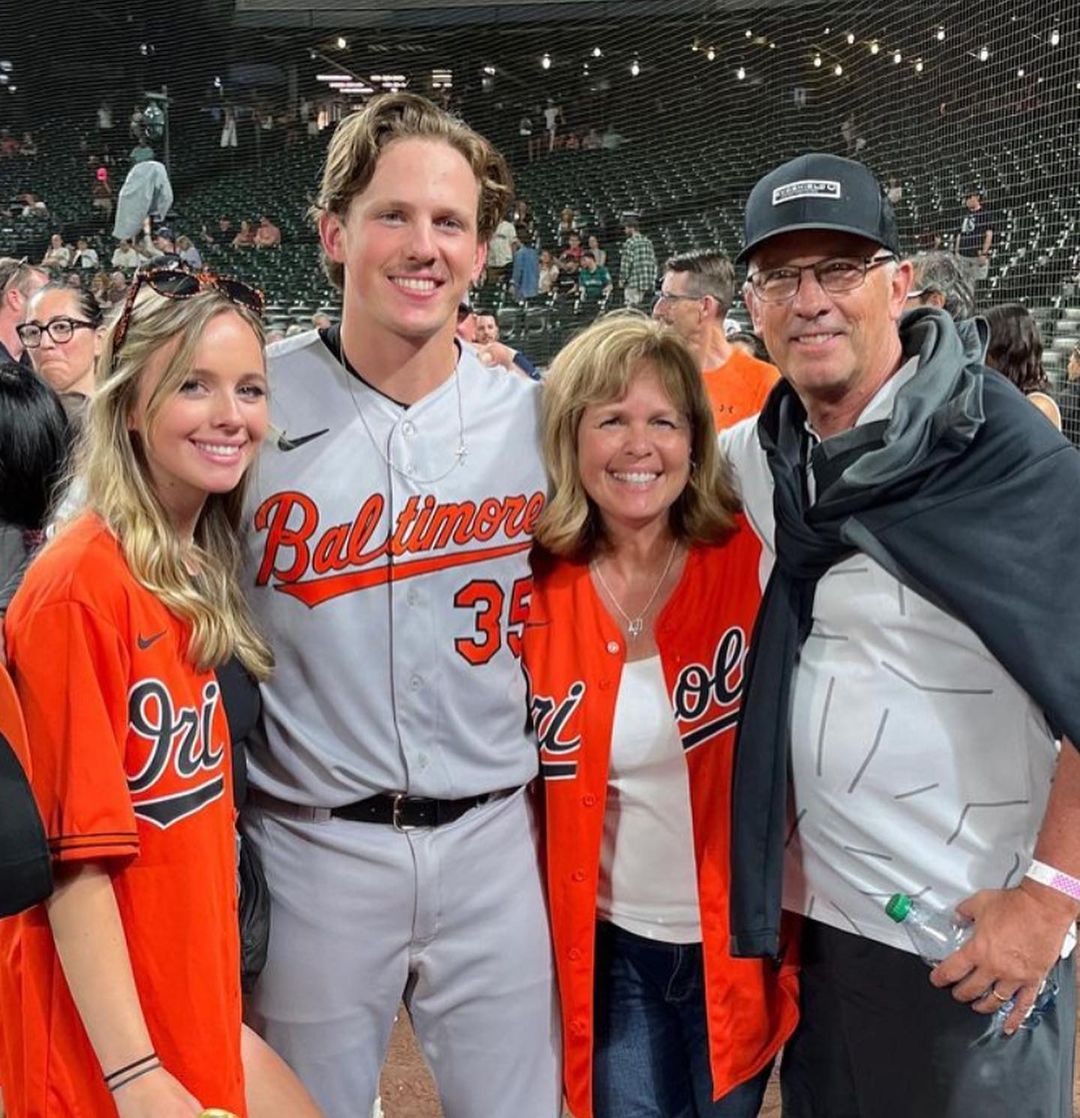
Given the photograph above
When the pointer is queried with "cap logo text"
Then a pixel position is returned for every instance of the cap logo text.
(806, 188)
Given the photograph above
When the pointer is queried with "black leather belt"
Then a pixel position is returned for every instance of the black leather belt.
(403, 813)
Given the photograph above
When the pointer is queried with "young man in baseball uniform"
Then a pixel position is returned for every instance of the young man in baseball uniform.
(390, 535)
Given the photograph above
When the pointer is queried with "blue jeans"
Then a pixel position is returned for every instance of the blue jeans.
(651, 1057)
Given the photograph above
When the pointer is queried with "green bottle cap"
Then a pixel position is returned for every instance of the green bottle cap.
(898, 906)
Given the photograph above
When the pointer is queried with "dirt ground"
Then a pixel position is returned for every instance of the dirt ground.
(408, 1092)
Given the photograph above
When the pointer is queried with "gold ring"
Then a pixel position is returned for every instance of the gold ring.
(998, 996)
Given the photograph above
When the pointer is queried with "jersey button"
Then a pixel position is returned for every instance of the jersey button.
(589, 800)
(416, 682)
(578, 875)
(579, 1027)
(413, 596)
(407, 428)
(410, 469)
(574, 954)
(613, 646)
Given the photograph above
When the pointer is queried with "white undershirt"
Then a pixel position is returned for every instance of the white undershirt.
(648, 877)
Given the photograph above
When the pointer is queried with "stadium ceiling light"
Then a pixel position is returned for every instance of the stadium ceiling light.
(490, 71)
(545, 61)
(333, 77)
(342, 42)
(897, 58)
(827, 30)
(1020, 72)
(772, 46)
(874, 46)
(939, 34)
(918, 66)
(1055, 37)
(597, 52)
(748, 33)
(817, 59)
(694, 46)
(740, 73)
(851, 38)
(838, 70)
(984, 53)
(635, 68)
(710, 54)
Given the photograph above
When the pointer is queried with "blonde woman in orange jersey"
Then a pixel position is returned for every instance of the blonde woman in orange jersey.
(121, 994)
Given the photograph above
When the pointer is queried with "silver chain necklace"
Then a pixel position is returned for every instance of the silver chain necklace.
(459, 454)
(635, 625)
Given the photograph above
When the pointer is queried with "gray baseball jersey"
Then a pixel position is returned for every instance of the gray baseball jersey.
(392, 574)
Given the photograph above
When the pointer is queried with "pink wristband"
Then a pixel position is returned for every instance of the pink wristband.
(1055, 879)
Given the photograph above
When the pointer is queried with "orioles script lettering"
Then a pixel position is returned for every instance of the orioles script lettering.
(314, 563)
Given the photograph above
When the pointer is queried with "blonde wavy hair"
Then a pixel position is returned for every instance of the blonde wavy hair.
(201, 584)
(360, 138)
(597, 367)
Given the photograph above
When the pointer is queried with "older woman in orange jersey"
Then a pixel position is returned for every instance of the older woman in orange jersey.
(646, 587)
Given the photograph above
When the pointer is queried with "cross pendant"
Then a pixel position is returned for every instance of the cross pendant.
(635, 627)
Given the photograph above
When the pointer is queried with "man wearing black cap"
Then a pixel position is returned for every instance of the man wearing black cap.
(913, 664)
(975, 235)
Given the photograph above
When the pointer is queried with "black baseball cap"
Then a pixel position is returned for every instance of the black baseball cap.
(819, 191)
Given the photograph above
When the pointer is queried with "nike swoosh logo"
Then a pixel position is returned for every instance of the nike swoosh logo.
(145, 642)
(285, 443)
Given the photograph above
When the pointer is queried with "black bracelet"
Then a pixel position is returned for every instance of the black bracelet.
(130, 1067)
(135, 1075)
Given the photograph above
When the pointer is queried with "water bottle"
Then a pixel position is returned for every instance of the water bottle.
(936, 934)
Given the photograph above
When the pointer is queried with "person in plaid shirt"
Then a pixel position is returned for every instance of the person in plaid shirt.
(637, 265)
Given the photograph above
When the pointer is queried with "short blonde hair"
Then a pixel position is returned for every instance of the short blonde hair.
(360, 138)
(597, 367)
(120, 490)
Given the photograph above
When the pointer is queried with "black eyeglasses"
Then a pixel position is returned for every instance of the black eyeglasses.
(181, 283)
(60, 330)
(835, 275)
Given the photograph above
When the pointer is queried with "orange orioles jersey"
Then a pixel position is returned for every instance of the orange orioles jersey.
(574, 654)
(130, 766)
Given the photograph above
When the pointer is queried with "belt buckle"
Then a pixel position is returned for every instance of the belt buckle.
(401, 828)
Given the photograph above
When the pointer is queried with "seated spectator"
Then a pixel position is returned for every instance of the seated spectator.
(9, 145)
(268, 235)
(592, 140)
(567, 224)
(572, 141)
(33, 206)
(594, 282)
(245, 238)
(599, 254)
(549, 273)
(125, 255)
(84, 256)
(57, 255)
(1015, 351)
(28, 146)
(118, 285)
(74, 280)
(573, 249)
(188, 253)
(611, 140)
(321, 321)
(568, 273)
(99, 288)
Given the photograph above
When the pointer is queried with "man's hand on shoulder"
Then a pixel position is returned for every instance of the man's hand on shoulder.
(498, 353)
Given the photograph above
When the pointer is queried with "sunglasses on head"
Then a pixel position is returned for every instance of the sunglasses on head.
(181, 283)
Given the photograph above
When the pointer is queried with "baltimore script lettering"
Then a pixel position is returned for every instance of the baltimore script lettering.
(315, 565)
